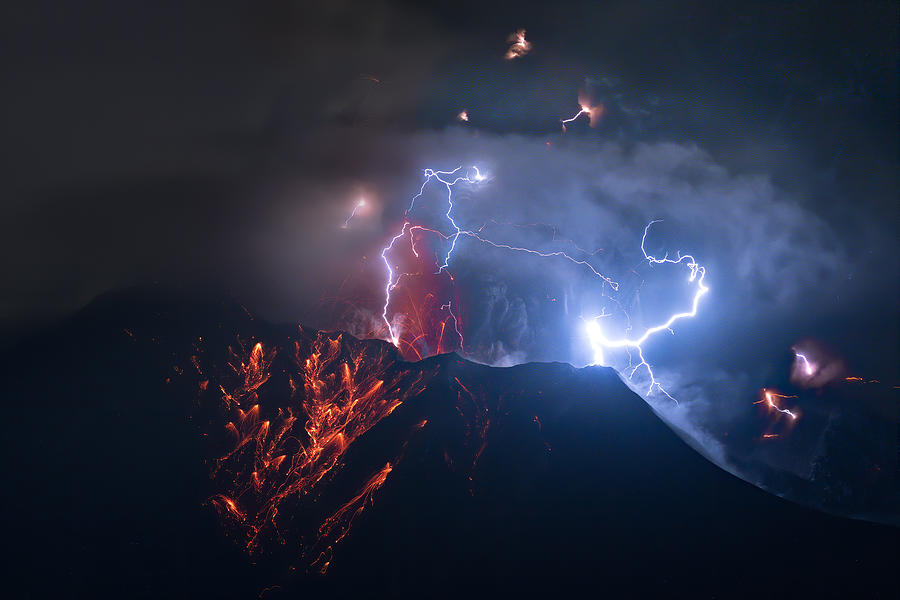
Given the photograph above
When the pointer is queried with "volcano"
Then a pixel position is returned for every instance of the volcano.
(160, 446)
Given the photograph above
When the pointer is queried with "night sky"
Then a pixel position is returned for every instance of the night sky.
(221, 147)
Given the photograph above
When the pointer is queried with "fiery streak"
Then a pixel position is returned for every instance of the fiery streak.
(861, 380)
(337, 526)
(520, 46)
(276, 455)
(477, 419)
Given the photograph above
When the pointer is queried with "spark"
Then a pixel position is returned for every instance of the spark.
(520, 46)
(356, 207)
(463, 116)
(599, 340)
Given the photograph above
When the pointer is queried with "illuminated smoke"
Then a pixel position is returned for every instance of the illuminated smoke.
(520, 46)
(594, 112)
(815, 365)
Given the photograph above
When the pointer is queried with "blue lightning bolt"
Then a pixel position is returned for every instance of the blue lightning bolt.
(598, 339)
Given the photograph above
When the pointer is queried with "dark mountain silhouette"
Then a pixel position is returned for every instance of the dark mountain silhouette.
(539, 480)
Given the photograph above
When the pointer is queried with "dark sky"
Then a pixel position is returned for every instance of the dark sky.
(222, 144)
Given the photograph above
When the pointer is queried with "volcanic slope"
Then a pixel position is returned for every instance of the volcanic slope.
(441, 478)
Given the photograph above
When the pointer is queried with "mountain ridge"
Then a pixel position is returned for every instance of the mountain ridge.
(534, 479)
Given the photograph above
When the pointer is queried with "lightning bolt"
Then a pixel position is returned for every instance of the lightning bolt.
(807, 366)
(598, 339)
(356, 207)
(585, 110)
(448, 179)
(769, 399)
(593, 111)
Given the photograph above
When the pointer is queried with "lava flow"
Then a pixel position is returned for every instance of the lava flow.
(292, 416)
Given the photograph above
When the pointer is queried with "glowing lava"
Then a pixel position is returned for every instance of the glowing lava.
(277, 456)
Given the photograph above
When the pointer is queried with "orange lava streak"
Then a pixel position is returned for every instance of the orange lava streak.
(339, 523)
(335, 393)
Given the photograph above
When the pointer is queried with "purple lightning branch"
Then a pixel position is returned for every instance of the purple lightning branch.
(807, 366)
(356, 207)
